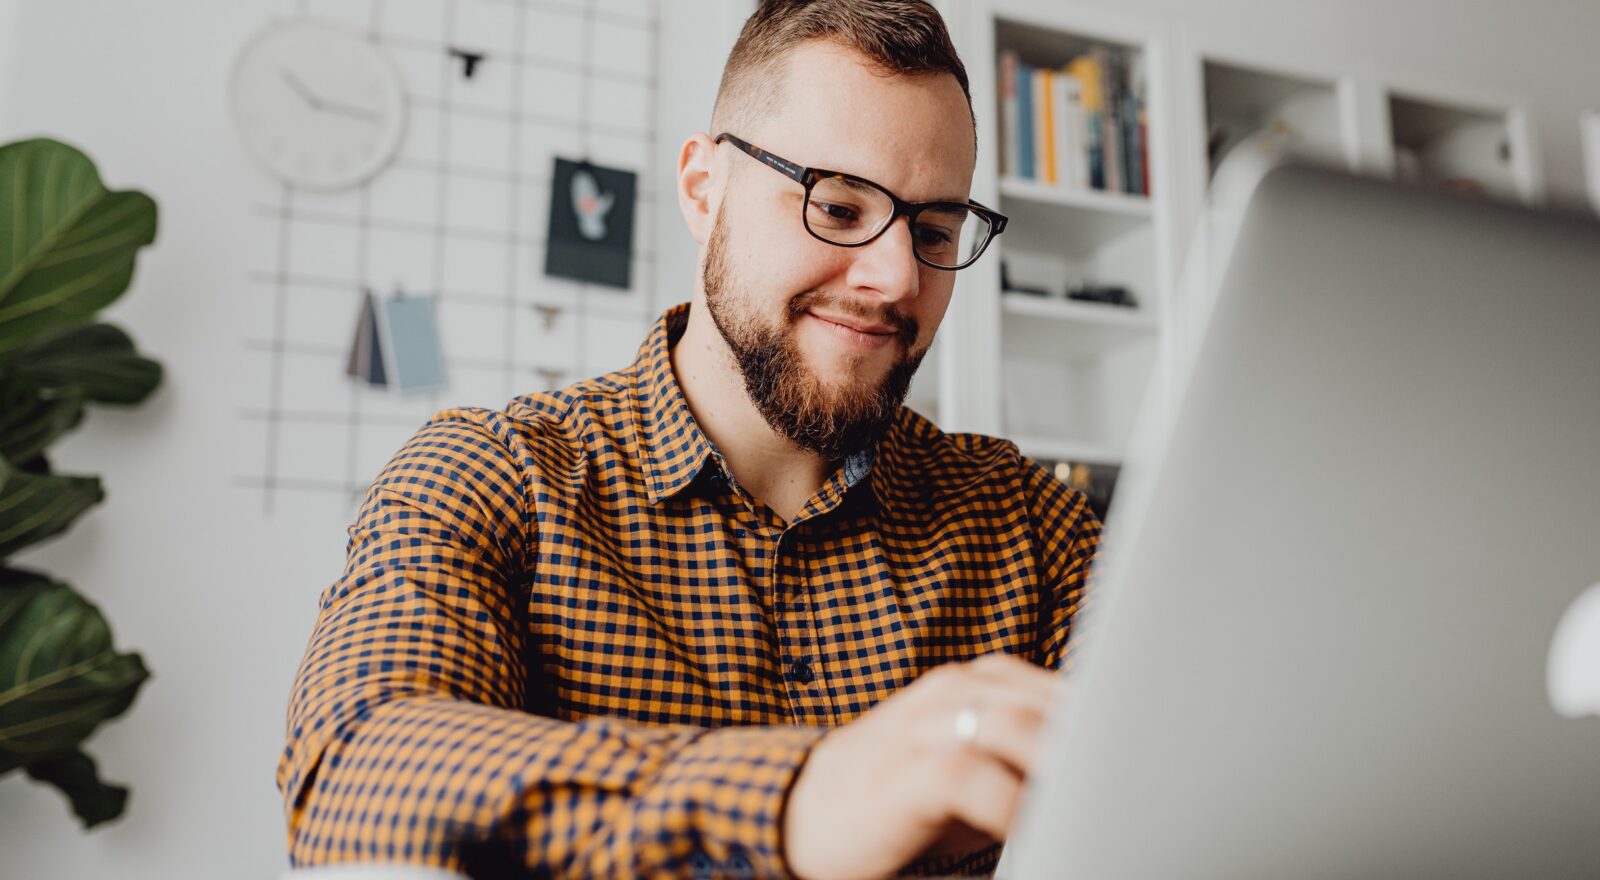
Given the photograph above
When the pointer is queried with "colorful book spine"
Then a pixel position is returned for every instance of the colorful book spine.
(1083, 125)
(1069, 142)
(1111, 131)
(1025, 135)
(1010, 144)
(1087, 72)
(1140, 84)
(1044, 87)
(1144, 151)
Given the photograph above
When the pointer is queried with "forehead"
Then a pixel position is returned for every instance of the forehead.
(912, 134)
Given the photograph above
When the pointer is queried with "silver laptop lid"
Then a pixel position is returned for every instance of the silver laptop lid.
(1325, 651)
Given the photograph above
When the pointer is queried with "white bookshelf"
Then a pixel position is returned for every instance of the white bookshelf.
(1061, 377)
(1041, 328)
(1065, 379)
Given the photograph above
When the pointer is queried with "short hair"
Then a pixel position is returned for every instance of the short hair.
(899, 37)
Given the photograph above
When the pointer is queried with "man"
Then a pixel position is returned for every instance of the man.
(732, 611)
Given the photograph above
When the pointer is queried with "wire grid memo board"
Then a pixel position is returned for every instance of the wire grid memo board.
(461, 214)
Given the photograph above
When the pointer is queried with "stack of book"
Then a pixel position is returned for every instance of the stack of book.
(1080, 125)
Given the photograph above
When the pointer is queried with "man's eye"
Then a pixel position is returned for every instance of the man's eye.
(836, 212)
(932, 236)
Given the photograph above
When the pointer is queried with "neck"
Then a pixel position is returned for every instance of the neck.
(766, 464)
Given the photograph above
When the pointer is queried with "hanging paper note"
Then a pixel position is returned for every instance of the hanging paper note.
(366, 357)
(397, 343)
(591, 224)
(408, 333)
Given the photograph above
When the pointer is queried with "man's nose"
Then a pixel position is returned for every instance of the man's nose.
(888, 266)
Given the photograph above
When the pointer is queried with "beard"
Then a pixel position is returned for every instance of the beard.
(833, 422)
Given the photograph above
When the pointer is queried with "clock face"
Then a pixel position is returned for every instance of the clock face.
(316, 104)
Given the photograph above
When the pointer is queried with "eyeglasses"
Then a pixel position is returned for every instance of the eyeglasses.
(850, 211)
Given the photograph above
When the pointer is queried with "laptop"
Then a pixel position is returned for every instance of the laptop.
(1347, 623)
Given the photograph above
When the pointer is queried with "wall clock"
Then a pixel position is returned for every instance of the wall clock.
(316, 104)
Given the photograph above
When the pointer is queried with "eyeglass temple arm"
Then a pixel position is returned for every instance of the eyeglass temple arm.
(997, 220)
(788, 169)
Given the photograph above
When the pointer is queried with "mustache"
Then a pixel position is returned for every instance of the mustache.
(905, 326)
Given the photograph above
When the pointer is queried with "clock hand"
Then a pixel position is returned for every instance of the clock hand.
(351, 110)
(299, 88)
(324, 105)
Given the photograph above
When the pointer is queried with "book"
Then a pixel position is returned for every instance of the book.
(1088, 73)
(1082, 125)
(1072, 167)
(1025, 135)
(1110, 70)
(1133, 136)
(1010, 153)
(1044, 88)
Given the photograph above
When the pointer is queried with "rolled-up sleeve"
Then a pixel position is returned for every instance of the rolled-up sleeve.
(407, 734)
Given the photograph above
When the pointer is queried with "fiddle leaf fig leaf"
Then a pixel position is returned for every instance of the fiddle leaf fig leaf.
(60, 676)
(34, 507)
(67, 244)
(92, 799)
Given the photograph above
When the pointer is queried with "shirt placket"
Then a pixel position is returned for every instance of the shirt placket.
(797, 638)
(784, 580)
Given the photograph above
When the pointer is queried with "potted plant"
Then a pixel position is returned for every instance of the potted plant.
(67, 249)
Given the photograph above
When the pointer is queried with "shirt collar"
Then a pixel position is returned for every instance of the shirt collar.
(675, 449)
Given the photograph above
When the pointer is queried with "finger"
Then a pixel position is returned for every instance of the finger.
(985, 795)
(1016, 674)
(991, 678)
(1009, 733)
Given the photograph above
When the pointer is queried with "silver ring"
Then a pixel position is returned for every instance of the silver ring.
(967, 725)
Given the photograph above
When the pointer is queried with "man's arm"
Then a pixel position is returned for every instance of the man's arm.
(407, 740)
(876, 792)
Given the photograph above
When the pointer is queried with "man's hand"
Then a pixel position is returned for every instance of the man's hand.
(900, 781)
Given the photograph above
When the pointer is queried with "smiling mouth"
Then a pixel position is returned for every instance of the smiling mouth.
(854, 339)
(865, 331)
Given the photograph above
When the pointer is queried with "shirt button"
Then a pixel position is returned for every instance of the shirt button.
(800, 671)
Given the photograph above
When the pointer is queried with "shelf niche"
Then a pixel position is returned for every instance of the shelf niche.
(1453, 147)
(1073, 371)
(1246, 105)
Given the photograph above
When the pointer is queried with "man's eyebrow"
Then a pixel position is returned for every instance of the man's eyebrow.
(861, 186)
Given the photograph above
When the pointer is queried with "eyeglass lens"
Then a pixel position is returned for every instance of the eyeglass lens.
(848, 212)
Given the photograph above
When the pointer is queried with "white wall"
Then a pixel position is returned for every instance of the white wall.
(695, 39)
(220, 599)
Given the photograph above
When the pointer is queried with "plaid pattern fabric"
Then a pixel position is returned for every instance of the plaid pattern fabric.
(566, 640)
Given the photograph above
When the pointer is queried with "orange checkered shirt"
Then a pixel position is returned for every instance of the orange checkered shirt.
(567, 642)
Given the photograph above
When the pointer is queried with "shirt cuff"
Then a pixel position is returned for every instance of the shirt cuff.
(728, 787)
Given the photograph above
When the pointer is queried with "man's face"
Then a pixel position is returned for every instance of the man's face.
(827, 338)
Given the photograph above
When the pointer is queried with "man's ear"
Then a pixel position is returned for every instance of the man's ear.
(698, 187)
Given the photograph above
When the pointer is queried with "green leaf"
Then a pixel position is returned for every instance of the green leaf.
(67, 244)
(31, 418)
(98, 359)
(17, 578)
(60, 677)
(94, 800)
(34, 507)
(36, 465)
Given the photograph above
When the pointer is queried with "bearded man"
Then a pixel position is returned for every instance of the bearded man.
(733, 610)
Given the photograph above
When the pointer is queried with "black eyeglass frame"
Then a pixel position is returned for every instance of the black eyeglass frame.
(810, 177)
